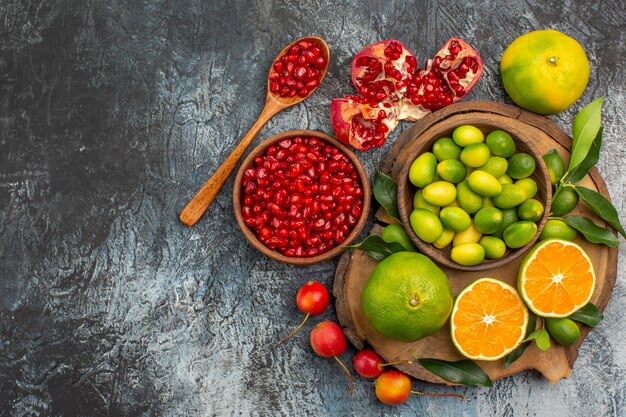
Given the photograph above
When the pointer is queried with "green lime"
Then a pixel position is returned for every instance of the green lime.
(564, 201)
(521, 165)
(468, 254)
(454, 218)
(468, 200)
(557, 229)
(426, 225)
(396, 233)
(496, 166)
(505, 179)
(452, 170)
(439, 193)
(519, 234)
(419, 202)
(564, 330)
(488, 220)
(475, 155)
(407, 297)
(509, 216)
(529, 185)
(488, 202)
(556, 166)
(445, 148)
(494, 248)
(422, 170)
(455, 203)
(530, 210)
(444, 240)
(500, 143)
(469, 235)
(467, 135)
(483, 183)
(512, 195)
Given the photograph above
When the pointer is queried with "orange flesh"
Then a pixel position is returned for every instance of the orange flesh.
(559, 279)
(489, 320)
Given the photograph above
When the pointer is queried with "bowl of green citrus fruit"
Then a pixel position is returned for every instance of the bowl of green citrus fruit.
(473, 194)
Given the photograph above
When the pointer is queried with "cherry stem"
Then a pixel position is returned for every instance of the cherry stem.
(347, 372)
(382, 365)
(437, 395)
(294, 330)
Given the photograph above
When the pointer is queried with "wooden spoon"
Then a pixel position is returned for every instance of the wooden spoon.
(274, 103)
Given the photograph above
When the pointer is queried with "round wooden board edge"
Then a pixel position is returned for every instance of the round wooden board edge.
(540, 122)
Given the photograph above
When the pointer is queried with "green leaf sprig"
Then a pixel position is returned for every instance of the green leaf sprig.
(386, 193)
(587, 134)
(465, 371)
(517, 353)
(377, 248)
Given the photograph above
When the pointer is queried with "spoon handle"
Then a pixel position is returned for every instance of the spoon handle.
(204, 197)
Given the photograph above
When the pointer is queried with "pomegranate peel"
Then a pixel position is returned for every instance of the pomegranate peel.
(388, 79)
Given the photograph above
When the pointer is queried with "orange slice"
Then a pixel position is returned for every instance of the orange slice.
(488, 320)
(556, 278)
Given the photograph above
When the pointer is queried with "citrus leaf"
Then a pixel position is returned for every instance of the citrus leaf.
(591, 231)
(589, 314)
(584, 130)
(582, 169)
(541, 338)
(462, 372)
(386, 193)
(517, 353)
(377, 248)
(601, 206)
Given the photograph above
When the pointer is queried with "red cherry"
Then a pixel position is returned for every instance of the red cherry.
(367, 363)
(312, 299)
(327, 340)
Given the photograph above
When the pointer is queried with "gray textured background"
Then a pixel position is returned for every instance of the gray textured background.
(112, 113)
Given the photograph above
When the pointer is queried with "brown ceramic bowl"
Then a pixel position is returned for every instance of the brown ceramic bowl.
(424, 142)
(249, 234)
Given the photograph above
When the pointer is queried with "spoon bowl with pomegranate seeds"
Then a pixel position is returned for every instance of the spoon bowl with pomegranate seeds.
(301, 196)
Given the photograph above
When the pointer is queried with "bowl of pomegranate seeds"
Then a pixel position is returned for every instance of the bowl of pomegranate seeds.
(301, 196)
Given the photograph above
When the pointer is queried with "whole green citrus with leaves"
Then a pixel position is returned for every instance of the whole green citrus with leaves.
(407, 297)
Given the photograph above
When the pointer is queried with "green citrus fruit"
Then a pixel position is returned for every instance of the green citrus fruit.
(467, 135)
(505, 179)
(564, 330)
(509, 216)
(444, 240)
(530, 210)
(488, 202)
(519, 234)
(454, 218)
(494, 248)
(500, 144)
(556, 166)
(521, 165)
(426, 225)
(512, 195)
(419, 202)
(452, 170)
(488, 220)
(557, 229)
(496, 166)
(407, 297)
(468, 200)
(544, 71)
(483, 183)
(439, 193)
(475, 155)
(565, 201)
(468, 254)
(396, 233)
(423, 169)
(445, 148)
(529, 185)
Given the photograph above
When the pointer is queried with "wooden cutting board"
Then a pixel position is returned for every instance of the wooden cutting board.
(354, 268)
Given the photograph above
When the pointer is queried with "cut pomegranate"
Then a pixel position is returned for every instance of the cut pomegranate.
(298, 71)
(302, 197)
(388, 78)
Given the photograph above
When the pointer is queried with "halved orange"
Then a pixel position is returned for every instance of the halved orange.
(488, 320)
(556, 278)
